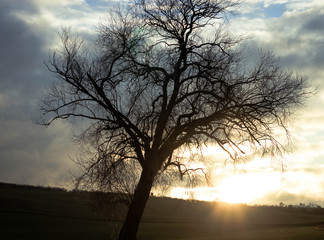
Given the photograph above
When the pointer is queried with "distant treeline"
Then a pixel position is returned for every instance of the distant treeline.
(101, 198)
(30, 187)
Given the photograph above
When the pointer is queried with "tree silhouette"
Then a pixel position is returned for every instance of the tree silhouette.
(164, 76)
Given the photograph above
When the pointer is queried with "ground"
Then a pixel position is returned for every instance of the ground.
(43, 213)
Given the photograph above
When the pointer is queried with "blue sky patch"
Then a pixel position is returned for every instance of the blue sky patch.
(274, 10)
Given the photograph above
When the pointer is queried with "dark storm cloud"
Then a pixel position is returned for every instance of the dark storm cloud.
(28, 153)
(314, 24)
(21, 68)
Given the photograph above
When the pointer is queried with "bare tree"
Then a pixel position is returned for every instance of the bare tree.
(156, 84)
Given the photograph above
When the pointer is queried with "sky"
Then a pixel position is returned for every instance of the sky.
(33, 154)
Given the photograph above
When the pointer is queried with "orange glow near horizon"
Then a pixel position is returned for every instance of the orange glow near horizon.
(243, 188)
(234, 188)
(257, 181)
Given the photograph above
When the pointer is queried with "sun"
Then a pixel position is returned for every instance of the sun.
(246, 188)
(237, 190)
(249, 188)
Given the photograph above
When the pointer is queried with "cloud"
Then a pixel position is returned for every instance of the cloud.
(297, 39)
(28, 153)
(33, 155)
(296, 36)
(274, 198)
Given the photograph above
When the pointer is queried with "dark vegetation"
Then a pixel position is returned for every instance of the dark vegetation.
(29, 212)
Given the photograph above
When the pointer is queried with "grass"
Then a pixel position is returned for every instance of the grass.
(38, 213)
(32, 226)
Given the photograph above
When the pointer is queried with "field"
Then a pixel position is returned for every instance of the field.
(42, 213)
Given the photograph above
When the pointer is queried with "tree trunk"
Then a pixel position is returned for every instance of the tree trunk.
(136, 208)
